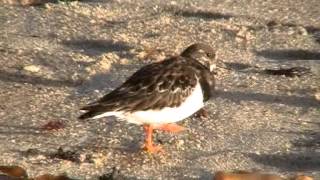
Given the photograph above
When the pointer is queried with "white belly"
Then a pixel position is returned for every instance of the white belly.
(168, 115)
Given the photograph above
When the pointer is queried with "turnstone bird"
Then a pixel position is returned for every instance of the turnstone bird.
(162, 93)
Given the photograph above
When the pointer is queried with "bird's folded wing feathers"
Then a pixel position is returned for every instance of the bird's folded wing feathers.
(155, 86)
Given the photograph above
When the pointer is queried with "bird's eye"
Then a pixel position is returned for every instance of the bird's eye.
(209, 54)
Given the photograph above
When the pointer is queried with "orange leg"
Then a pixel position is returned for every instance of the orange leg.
(174, 128)
(148, 146)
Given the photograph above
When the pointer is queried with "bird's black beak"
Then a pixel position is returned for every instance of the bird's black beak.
(220, 64)
(217, 64)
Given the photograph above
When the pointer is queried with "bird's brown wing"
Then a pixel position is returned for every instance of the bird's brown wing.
(155, 86)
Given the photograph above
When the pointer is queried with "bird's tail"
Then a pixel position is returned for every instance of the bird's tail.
(95, 112)
(88, 115)
(92, 111)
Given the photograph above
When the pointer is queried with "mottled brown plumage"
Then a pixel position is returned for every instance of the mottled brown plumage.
(162, 84)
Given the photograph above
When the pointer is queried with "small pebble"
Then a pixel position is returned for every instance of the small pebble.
(32, 68)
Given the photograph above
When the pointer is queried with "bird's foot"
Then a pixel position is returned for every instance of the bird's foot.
(174, 128)
(153, 148)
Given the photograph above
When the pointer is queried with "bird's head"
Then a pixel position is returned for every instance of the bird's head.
(203, 53)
